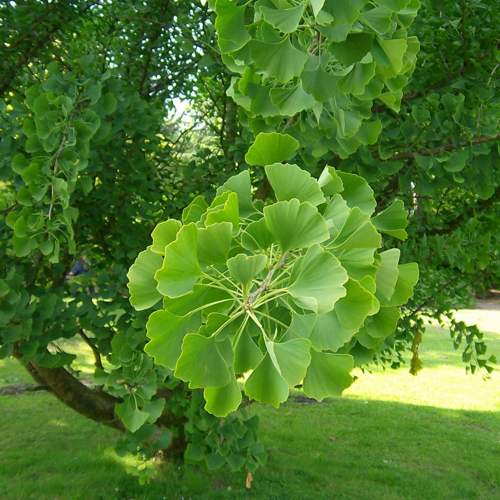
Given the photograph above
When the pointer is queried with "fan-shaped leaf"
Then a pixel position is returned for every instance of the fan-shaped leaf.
(328, 375)
(163, 234)
(141, 282)
(166, 331)
(201, 362)
(290, 181)
(266, 385)
(317, 280)
(181, 269)
(295, 225)
(271, 148)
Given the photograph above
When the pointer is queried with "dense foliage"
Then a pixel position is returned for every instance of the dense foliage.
(93, 156)
(286, 292)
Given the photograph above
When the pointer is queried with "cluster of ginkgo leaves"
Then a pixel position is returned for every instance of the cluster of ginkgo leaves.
(273, 295)
(317, 66)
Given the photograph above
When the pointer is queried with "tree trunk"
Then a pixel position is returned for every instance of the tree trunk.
(99, 405)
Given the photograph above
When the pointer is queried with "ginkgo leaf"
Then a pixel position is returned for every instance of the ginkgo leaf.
(317, 280)
(181, 269)
(393, 220)
(328, 375)
(387, 273)
(220, 401)
(284, 19)
(167, 331)
(271, 147)
(141, 281)
(333, 329)
(357, 192)
(201, 362)
(295, 224)
(407, 279)
(224, 208)
(240, 184)
(214, 243)
(256, 236)
(130, 415)
(163, 234)
(281, 61)
(247, 354)
(244, 268)
(357, 233)
(230, 26)
(266, 385)
(293, 358)
(290, 181)
(194, 211)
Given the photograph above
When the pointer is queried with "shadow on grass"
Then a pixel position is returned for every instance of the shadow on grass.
(344, 448)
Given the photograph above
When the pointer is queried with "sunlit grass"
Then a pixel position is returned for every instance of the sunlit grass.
(394, 436)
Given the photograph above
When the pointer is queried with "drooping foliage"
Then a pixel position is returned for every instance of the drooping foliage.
(316, 67)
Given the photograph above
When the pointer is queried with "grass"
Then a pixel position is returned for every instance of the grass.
(393, 436)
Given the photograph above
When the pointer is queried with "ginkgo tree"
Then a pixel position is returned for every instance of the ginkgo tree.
(280, 281)
(275, 294)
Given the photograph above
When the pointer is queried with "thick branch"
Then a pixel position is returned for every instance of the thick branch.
(405, 155)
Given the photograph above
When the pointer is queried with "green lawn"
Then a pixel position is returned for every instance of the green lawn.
(393, 436)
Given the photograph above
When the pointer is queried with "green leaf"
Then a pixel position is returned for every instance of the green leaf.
(336, 214)
(380, 326)
(167, 331)
(271, 147)
(201, 362)
(242, 186)
(387, 274)
(321, 84)
(141, 282)
(290, 181)
(328, 375)
(256, 236)
(393, 220)
(230, 26)
(224, 208)
(407, 279)
(333, 329)
(357, 233)
(330, 181)
(130, 415)
(291, 101)
(456, 161)
(317, 5)
(281, 61)
(181, 269)
(286, 20)
(163, 234)
(244, 268)
(389, 55)
(214, 243)
(266, 385)
(357, 192)
(353, 49)
(293, 358)
(295, 225)
(246, 353)
(317, 280)
(220, 401)
(301, 326)
(380, 19)
(194, 211)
